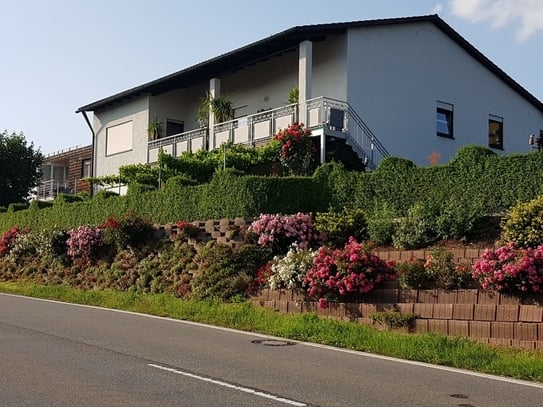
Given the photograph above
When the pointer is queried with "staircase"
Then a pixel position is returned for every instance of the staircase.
(339, 119)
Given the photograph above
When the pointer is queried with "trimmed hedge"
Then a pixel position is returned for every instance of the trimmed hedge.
(227, 195)
(452, 197)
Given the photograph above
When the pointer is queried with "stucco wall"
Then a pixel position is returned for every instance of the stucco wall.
(135, 111)
(397, 73)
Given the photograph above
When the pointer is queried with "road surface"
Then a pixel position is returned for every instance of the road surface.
(57, 354)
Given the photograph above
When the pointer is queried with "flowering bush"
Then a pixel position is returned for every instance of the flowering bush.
(128, 230)
(289, 271)
(510, 269)
(441, 270)
(83, 241)
(296, 150)
(281, 232)
(7, 240)
(352, 269)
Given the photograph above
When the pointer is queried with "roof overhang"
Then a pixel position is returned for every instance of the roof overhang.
(287, 41)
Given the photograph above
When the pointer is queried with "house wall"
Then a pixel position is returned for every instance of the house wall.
(330, 68)
(179, 104)
(265, 85)
(397, 73)
(135, 111)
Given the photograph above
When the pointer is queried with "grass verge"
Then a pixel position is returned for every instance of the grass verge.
(455, 352)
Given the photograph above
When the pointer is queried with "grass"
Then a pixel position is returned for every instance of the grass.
(455, 352)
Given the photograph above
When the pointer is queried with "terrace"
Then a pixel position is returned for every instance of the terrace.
(326, 117)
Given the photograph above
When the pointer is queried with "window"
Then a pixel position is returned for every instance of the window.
(444, 120)
(86, 168)
(495, 132)
(119, 138)
(174, 127)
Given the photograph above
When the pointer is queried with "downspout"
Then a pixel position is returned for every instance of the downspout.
(86, 117)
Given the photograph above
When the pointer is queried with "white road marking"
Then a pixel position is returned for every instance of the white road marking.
(316, 345)
(230, 386)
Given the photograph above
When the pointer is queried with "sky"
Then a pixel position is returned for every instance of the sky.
(59, 55)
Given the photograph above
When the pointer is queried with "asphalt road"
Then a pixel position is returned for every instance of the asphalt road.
(56, 354)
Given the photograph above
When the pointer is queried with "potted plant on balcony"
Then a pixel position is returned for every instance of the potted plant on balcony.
(155, 128)
(219, 106)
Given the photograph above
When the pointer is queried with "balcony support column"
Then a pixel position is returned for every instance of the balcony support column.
(305, 72)
(214, 91)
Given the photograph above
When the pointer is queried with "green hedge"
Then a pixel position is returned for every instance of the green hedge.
(227, 195)
(475, 183)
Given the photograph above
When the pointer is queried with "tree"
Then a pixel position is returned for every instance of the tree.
(19, 168)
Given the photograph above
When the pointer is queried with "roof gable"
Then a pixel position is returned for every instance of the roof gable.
(288, 40)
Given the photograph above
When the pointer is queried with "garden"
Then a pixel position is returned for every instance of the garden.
(313, 230)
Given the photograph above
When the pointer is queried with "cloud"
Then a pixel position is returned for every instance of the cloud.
(438, 9)
(526, 13)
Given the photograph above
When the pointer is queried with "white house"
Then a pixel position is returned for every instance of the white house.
(410, 87)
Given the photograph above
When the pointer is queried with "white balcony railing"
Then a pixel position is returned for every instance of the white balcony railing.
(51, 188)
(333, 115)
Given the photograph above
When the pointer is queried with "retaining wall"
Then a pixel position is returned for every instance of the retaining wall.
(496, 319)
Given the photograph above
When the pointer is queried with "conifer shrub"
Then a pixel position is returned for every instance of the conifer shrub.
(523, 225)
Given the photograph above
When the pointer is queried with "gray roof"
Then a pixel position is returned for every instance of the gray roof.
(285, 41)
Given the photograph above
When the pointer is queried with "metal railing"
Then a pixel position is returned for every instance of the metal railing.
(339, 116)
(51, 188)
(335, 115)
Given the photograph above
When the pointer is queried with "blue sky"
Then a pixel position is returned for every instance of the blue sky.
(58, 55)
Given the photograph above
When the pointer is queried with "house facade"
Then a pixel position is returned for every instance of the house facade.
(65, 172)
(409, 87)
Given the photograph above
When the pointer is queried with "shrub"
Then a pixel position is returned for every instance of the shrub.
(186, 230)
(336, 227)
(289, 271)
(524, 224)
(382, 225)
(412, 274)
(280, 232)
(84, 241)
(180, 180)
(7, 240)
(129, 230)
(15, 207)
(67, 198)
(352, 269)
(441, 270)
(418, 228)
(394, 319)
(215, 277)
(510, 269)
(296, 151)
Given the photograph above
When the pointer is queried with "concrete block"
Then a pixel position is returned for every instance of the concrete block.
(525, 331)
(442, 311)
(447, 296)
(389, 295)
(463, 311)
(502, 330)
(409, 296)
(480, 329)
(458, 328)
(466, 296)
(484, 312)
(423, 310)
(531, 313)
(421, 326)
(507, 313)
(438, 326)
(427, 296)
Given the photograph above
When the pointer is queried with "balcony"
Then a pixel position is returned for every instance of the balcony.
(326, 116)
(48, 190)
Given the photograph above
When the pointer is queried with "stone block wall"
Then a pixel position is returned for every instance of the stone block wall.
(496, 319)
(227, 231)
